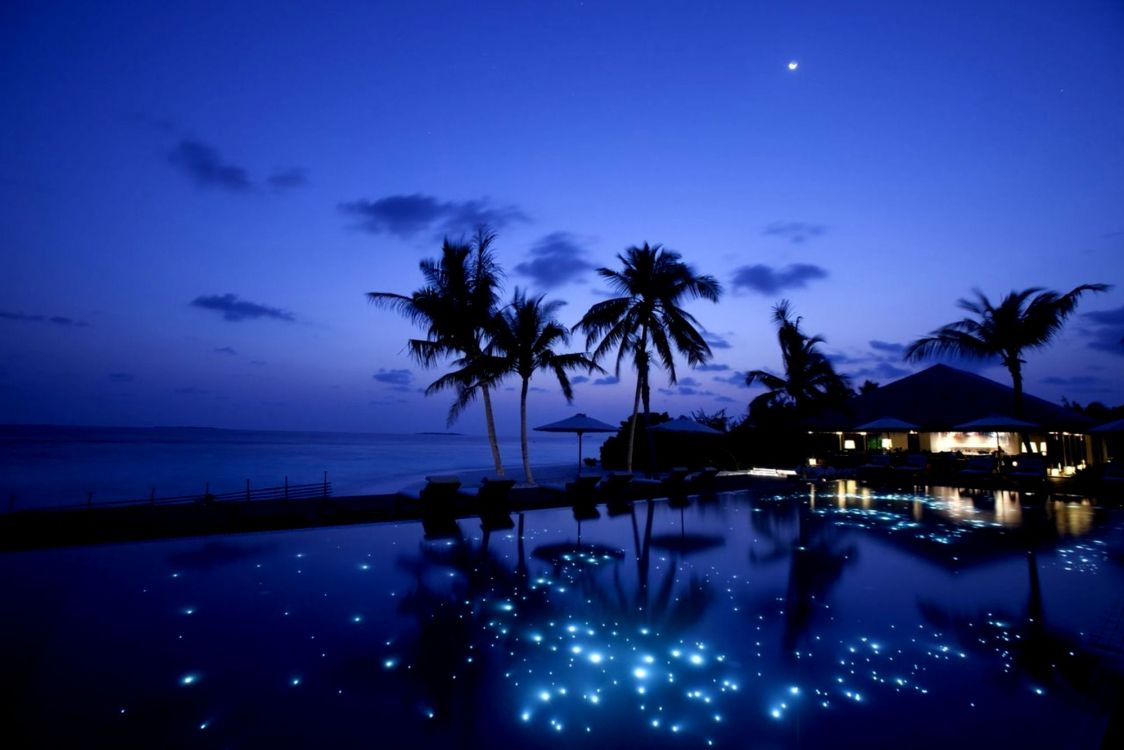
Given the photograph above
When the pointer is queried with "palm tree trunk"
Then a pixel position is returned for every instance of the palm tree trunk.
(641, 380)
(490, 421)
(632, 425)
(1017, 380)
(523, 431)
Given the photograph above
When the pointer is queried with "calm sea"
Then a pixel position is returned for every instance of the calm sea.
(41, 465)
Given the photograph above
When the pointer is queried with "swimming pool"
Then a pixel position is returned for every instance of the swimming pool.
(838, 617)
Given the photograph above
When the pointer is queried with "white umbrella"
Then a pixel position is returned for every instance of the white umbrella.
(580, 424)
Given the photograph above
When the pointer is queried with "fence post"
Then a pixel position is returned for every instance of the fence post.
(247, 489)
(286, 488)
(325, 484)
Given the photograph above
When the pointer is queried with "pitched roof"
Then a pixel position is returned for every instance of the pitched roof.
(941, 396)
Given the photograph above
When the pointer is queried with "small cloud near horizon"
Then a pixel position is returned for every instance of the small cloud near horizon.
(578, 380)
(767, 280)
(794, 231)
(714, 341)
(608, 380)
(58, 320)
(287, 179)
(234, 309)
(711, 368)
(1106, 333)
(203, 165)
(224, 350)
(399, 380)
(554, 260)
(406, 216)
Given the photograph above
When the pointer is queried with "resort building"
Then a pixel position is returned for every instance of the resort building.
(945, 410)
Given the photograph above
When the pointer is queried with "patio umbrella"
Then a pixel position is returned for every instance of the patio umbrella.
(888, 424)
(580, 424)
(684, 424)
(996, 423)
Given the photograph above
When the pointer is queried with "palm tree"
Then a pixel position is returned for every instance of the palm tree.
(1029, 319)
(646, 319)
(455, 307)
(809, 381)
(523, 335)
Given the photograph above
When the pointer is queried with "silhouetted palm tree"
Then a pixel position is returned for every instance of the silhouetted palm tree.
(523, 337)
(647, 319)
(1029, 319)
(455, 307)
(809, 381)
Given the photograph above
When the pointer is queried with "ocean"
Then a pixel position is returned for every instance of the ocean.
(49, 465)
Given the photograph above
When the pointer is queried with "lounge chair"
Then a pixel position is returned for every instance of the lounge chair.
(979, 467)
(1027, 467)
(492, 494)
(877, 467)
(614, 484)
(913, 467)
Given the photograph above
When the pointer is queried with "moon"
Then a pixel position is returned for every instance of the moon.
(793, 65)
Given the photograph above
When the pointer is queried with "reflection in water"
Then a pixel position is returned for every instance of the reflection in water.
(575, 642)
(777, 620)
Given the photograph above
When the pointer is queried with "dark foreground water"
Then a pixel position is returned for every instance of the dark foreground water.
(834, 619)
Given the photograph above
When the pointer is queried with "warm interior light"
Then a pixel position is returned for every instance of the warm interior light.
(886, 443)
(849, 445)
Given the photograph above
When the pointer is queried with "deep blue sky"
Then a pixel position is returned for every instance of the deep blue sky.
(196, 197)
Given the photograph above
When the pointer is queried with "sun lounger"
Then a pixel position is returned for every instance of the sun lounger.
(492, 494)
(876, 467)
(1027, 467)
(979, 467)
(614, 484)
(913, 467)
(578, 489)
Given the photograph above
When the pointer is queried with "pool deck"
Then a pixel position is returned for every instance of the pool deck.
(45, 528)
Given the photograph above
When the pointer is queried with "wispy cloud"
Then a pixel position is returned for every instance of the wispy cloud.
(58, 320)
(712, 368)
(206, 168)
(768, 280)
(736, 378)
(714, 340)
(888, 347)
(794, 231)
(1106, 332)
(399, 380)
(409, 215)
(287, 179)
(578, 380)
(234, 309)
(224, 350)
(554, 260)
(121, 377)
(608, 380)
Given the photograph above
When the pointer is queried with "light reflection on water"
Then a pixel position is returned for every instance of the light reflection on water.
(843, 616)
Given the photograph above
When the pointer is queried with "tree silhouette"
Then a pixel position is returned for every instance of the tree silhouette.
(455, 307)
(647, 319)
(1029, 319)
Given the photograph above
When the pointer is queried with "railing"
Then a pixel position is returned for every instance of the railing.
(285, 491)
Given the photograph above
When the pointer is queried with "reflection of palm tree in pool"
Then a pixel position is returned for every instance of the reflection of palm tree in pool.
(816, 562)
(1035, 651)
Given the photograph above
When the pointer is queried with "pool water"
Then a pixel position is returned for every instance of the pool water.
(839, 617)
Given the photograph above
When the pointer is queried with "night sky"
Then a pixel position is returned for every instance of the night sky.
(197, 196)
